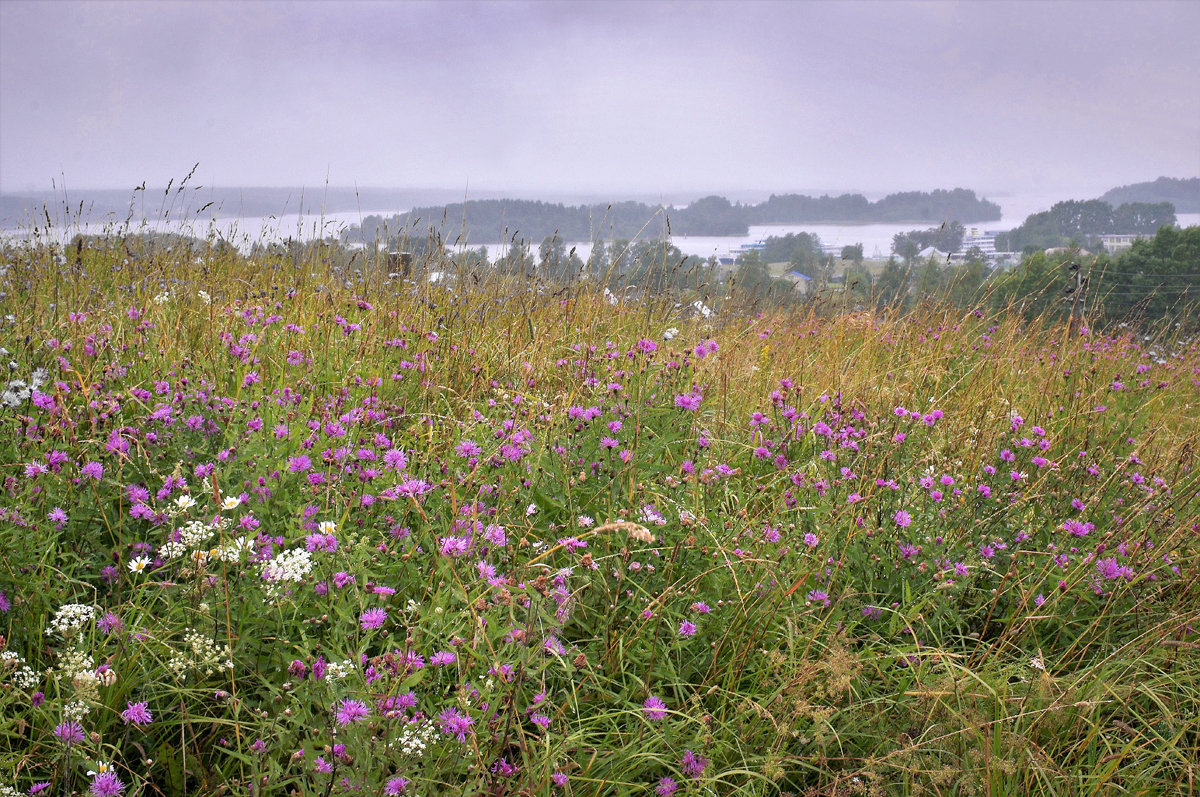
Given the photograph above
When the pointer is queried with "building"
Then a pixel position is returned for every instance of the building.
(1114, 244)
(800, 281)
(984, 240)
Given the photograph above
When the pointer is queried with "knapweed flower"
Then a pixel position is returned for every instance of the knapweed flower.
(902, 518)
(666, 787)
(687, 628)
(654, 708)
(106, 784)
(69, 733)
(693, 765)
(299, 463)
(137, 714)
(372, 618)
(395, 786)
(455, 723)
(349, 711)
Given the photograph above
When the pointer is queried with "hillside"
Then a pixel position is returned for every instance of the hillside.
(1184, 194)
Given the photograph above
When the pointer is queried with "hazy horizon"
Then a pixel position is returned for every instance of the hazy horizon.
(611, 99)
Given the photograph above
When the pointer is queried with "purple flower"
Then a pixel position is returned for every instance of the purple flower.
(666, 787)
(395, 786)
(654, 708)
(299, 464)
(455, 723)
(69, 732)
(442, 658)
(93, 470)
(349, 711)
(372, 618)
(106, 784)
(1078, 528)
(137, 714)
(819, 596)
(395, 459)
(902, 518)
(687, 628)
(109, 623)
(693, 765)
(453, 546)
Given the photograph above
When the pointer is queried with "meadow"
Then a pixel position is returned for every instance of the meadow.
(276, 526)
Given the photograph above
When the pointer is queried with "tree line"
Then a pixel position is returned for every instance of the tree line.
(491, 220)
(1083, 222)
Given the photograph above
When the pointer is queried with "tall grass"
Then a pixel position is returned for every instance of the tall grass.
(340, 532)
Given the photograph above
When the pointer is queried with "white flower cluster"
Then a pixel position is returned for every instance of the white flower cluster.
(193, 535)
(232, 551)
(162, 298)
(204, 297)
(203, 655)
(290, 565)
(71, 617)
(172, 550)
(17, 391)
(75, 711)
(23, 676)
(338, 670)
(415, 737)
(78, 667)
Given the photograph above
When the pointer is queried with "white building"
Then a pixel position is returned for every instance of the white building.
(1118, 243)
(985, 240)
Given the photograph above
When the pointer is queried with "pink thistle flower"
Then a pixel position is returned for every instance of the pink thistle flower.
(654, 708)
(372, 618)
(350, 711)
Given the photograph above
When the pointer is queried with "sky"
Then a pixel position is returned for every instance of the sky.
(592, 97)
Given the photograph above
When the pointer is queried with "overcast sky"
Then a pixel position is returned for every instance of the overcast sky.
(645, 97)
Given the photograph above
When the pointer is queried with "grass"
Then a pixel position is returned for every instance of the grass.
(616, 550)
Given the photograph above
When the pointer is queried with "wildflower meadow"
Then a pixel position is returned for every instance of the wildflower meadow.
(272, 525)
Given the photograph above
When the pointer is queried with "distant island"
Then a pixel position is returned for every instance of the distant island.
(490, 220)
(1184, 194)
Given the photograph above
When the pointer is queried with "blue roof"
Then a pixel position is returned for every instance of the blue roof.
(795, 273)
